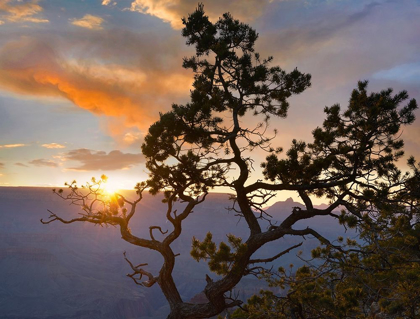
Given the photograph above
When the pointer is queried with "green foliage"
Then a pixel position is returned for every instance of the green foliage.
(379, 274)
(351, 162)
(363, 136)
(235, 82)
(219, 260)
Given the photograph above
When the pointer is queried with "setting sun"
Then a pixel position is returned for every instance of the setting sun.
(110, 188)
(200, 159)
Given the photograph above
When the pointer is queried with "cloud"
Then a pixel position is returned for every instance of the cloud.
(316, 32)
(350, 45)
(129, 77)
(106, 2)
(172, 11)
(99, 160)
(53, 145)
(339, 44)
(21, 164)
(12, 145)
(21, 11)
(1, 22)
(118, 74)
(43, 162)
(404, 73)
(132, 137)
(1, 165)
(89, 21)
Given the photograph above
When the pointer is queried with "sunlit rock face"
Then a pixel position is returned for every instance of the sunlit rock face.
(78, 271)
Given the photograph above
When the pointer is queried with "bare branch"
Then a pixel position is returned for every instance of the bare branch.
(151, 228)
(138, 271)
(267, 260)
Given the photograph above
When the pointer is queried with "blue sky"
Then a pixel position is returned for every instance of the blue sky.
(81, 81)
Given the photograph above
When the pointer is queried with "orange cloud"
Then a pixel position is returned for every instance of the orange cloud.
(53, 145)
(131, 138)
(171, 11)
(133, 92)
(12, 145)
(18, 11)
(89, 21)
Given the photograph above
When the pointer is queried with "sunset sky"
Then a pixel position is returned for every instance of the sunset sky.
(81, 81)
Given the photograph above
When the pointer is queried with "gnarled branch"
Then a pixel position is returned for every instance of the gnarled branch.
(267, 260)
(140, 272)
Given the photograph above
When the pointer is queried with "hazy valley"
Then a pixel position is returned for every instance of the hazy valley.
(78, 271)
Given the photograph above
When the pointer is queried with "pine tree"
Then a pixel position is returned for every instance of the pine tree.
(205, 144)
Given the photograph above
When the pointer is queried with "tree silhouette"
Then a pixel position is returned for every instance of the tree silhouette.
(206, 144)
(375, 277)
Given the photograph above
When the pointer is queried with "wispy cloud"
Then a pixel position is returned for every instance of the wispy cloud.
(106, 2)
(43, 162)
(350, 44)
(12, 145)
(53, 145)
(20, 11)
(1, 165)
(316, 32)
(89, 21)
(131, 137)
(99, 160)
(172, 10)
(118, 74)
(21, 165)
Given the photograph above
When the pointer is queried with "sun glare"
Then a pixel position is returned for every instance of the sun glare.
(110, 188)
